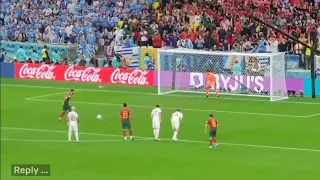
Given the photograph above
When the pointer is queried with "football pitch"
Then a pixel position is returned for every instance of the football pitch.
(259, 140)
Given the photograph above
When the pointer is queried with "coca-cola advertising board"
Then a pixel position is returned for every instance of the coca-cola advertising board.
(85, 74)
(256, 83)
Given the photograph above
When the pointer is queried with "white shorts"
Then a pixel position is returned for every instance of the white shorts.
(175, 124)
(73, 127)
(156, 124)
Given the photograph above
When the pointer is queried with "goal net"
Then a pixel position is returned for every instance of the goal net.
(243, 74)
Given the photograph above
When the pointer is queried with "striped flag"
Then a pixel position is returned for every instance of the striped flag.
(131, 55)
(88, 50)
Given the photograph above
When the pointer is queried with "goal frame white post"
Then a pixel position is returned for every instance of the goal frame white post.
(274, 96)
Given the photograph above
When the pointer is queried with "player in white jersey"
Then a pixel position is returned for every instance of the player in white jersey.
(73, 122)
(156, 121)
(176, 119)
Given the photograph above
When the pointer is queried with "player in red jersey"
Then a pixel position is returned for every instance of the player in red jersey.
(66, 104)
(125, 117)
(212, 124)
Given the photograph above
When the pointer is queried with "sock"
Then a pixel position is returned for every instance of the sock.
(131, 132)
(69, 135)
(124, 133)
(157, 133)
(77, 136)
(62, 114)
(207, 91)
(211, 142)
(217, 92)
(175, 135)
(154, 133)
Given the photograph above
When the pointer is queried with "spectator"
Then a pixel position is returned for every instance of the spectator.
(45, 54)
(262, 45)
(273, 47)
(151, 64)
(188, 43)
(116, 61)
(308, 56)
(147, 60)
(55, 57)
(21, 54)
(144, 39)
(200, 42)
(3, 55)
(35, 56)
(236, 68)
(94, 62)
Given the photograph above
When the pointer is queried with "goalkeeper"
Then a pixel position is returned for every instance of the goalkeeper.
(211, 83)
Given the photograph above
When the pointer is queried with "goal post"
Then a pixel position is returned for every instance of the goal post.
(241, 74)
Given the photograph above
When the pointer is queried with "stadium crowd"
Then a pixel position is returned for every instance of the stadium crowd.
(223, 25)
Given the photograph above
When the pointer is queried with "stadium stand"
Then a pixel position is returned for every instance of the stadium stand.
(218, 25)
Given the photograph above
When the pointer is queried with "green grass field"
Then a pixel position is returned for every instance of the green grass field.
(259, 139)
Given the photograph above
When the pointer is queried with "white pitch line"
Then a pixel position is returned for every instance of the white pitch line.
(65, 141)
(47, 95)
(313, 115)
(258, 99)
(187, 141)
(184, 109)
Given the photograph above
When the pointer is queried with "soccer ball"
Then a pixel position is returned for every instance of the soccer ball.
(99, 116)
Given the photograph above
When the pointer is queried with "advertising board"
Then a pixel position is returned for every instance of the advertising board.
(85, 74)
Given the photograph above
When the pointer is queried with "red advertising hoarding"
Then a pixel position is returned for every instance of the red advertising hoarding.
(85, 74)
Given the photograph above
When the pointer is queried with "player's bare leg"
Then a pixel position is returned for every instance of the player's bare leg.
(131, 134)
(124, 134)
(217, 92)
(62, 115)
(215, 142)
(211, 142)
(208, 91)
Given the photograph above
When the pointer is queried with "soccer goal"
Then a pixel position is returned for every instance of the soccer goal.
(242, 74)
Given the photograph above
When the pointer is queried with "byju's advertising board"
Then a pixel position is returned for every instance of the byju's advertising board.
(234, 83)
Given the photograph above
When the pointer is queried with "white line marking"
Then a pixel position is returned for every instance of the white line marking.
(257, 99)
(66, 141)
(184, 109)
(187, 141)
(313, 115)
(48, 95)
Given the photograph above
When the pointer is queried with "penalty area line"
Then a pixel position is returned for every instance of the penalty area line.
(47, 95)
(172, 108)
(166, 139)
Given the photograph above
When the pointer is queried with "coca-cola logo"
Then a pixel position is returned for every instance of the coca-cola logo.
(40, 72)
(136, 77)
(88, 74)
